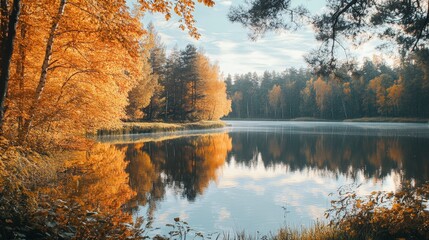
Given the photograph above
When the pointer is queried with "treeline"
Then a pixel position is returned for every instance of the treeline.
(374, 89)
(184, 86)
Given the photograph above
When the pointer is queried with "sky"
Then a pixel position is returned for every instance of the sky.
(229, 45)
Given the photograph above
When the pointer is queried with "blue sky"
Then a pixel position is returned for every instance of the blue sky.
(229, 46)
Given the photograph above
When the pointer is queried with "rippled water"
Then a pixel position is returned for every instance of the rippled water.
(259, 176)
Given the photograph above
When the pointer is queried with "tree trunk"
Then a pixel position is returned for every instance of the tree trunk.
(44, 72)
(166, 107)
(20, 69)
(7, 50)
(344, 108)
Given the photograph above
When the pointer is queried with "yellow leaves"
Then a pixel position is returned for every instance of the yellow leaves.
(323, 92)
(274, 96)
(214, 103)
(182, 8)
(209, 3)
(96, 60)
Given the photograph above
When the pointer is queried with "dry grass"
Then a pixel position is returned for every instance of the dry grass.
(319, 231)
(152, 127)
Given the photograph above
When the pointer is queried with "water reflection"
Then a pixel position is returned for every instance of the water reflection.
(102, 181)
(246, 177)
(374, 156)
(186, 165)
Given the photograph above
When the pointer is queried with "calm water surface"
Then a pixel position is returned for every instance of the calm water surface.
(259, 176)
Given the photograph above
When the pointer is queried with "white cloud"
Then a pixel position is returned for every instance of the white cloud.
(226, 2)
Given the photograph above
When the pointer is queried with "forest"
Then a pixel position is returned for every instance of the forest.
(372, 89)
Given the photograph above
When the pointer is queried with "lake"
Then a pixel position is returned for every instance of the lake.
(260, 176)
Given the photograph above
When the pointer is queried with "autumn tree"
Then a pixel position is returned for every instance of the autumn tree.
(141, 94)
(73, 88)
(379, 87)
(323, 95)
(158, 59)
(212, 102)
(75, 63)
(394, 94)
(274, 96)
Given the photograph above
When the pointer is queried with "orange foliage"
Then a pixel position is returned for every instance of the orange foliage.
(213, 150)
(140, 96)
(379, 85)
(94, 63)
(214, 103)
(105, 182)
(74, 66)
(394, 94)
(274, 97)
(183, 8)
(323, 92)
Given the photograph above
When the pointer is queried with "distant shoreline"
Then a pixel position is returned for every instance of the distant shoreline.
(364, 119)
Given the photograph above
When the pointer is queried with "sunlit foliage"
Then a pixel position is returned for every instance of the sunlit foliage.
(274, 98)
(383, 215)
(213, 103)
(74, 63)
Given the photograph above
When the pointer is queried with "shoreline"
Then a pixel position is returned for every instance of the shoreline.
(364, 119)
(156, 127)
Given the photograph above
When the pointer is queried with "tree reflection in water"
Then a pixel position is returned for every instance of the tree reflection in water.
(374, 156)
(187, 165)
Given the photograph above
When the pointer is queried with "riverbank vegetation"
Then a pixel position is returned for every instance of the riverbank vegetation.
(152, 127)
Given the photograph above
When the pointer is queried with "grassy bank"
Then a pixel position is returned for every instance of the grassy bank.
(151, 127)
